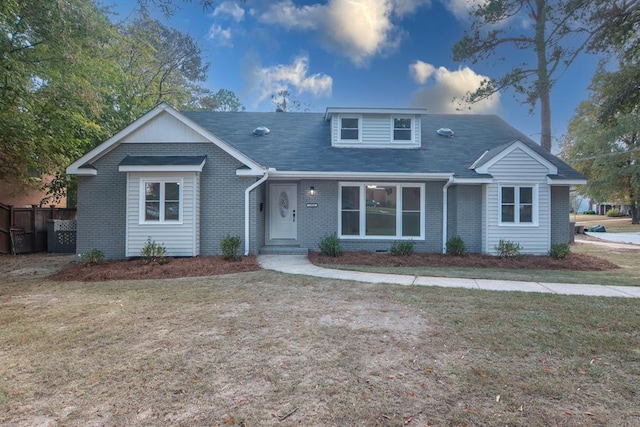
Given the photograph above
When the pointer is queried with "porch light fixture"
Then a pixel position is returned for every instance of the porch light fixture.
(312, 191)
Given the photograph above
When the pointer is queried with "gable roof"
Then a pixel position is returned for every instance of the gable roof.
(301, 143)
(83, 166)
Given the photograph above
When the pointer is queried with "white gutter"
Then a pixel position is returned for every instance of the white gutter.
(358, 175)
(445, 212)
(246, 209)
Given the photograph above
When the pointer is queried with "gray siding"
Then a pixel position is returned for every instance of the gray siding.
(377, 130)
(101, 198)
(560, 230)
(316, 222)
(257, 213)
(101, 219)
(180, 239)
(465, 215)
(221, 201)
(518, 168)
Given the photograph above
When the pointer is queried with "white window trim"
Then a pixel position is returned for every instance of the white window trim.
(516, 214)
(363, 211)
(350, 141)
(411, 130)
(142, 200)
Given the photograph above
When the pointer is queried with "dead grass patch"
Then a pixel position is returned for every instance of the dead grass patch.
(269, 349)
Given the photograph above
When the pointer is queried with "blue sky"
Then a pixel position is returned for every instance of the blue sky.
(359, 53)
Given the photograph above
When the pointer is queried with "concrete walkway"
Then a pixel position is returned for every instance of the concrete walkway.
(625, 238)
(299, 264)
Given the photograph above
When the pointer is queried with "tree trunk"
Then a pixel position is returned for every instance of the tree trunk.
(544, 87)
(635, 214)
(545, 119)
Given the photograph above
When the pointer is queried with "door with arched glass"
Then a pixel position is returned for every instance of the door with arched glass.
(283, 213)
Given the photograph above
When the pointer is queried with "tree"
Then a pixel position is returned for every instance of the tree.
(284, 103)
(603, 139)
(169, 7)
(47, 98)
(607, 152)
(154, 63)
(225, 100)
(69, 79)
(497, 24)
(617, 24)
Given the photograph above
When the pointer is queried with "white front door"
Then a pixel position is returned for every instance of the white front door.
(283, 211)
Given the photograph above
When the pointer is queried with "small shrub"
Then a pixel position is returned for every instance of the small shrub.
(403, 247)
(589, 212)
(229, 246)
(330, 246)
(507, 249)
(93, 257)
(456, 246)
(614, 213)
(153, 253)
(560, 250)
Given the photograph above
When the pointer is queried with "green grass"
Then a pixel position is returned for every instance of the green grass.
(628, 275)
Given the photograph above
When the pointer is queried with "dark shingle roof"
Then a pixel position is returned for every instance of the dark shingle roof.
(302, 142)
(162, 160)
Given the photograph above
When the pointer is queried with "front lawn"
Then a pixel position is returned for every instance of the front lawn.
(268, 349)
(588, 264)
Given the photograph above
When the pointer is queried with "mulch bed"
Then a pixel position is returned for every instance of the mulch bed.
(134, 269)
(575, 261)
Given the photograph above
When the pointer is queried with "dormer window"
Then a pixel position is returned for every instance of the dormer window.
(397, 128)
(402, 128)
(350, 129)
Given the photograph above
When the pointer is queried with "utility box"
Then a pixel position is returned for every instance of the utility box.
(61, 236)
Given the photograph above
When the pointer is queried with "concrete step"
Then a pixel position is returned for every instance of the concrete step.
(283, 250)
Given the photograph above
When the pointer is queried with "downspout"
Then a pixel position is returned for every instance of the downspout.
(246, 210)
(445, 213)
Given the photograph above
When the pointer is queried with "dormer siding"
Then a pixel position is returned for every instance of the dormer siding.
(386, 129)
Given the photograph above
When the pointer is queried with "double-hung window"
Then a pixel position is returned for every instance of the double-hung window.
(517, 204)
(402, 129)
(162, 201)
(381, 210)
(350, 129)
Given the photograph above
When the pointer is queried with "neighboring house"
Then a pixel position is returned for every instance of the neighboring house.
(19, 194)
(604, 207)
(283, 181)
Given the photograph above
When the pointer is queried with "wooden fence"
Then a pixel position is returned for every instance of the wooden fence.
(29, 226)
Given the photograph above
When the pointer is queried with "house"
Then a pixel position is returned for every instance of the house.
(19, 194)
(285, 180)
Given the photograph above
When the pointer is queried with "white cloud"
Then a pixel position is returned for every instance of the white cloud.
(357, 29)
(290, 17)
(229, 8)
(421, 71)
(268, 81)
(462, 8)
(407, 7)
(445, 93)
(221, 36)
